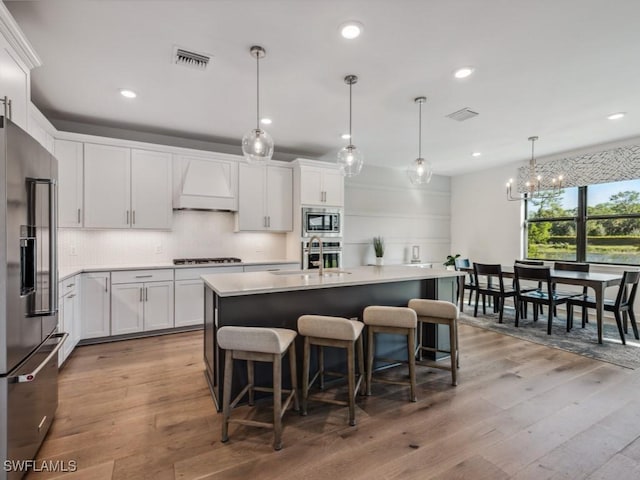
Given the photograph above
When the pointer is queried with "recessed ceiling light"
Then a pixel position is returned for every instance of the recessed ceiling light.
(463, 72)
(345, 136)
(351, 29)
(476, 154)
(128, 93)
(266, 121)
(616, 116)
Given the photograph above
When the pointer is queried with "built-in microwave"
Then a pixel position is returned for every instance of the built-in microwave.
(324, 222)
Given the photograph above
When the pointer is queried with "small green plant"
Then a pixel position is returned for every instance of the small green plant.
(451, 260)
(378, 246)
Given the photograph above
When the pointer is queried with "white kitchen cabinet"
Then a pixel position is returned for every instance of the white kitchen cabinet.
(95, 309)
(265, 198)
(14, 86)
(107, 186)
(69, 315)
(141, 300)
(189, 291)
(151, 189)
(126, 188)
(70, 166)
(321, 186)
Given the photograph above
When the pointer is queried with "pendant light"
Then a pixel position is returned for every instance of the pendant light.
(350, 159)
(420, 170)
(257, 145)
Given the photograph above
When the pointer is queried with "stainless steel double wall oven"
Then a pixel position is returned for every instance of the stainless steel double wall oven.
(325, 223)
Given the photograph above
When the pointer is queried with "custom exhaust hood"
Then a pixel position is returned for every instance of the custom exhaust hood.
(203, 183)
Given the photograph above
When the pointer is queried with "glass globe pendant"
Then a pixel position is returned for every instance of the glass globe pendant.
(257, 144)
(420, 170)
(350, 159)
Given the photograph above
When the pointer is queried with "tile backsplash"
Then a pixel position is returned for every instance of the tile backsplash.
(194, 234)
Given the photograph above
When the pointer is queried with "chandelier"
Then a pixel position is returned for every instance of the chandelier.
(536, 188)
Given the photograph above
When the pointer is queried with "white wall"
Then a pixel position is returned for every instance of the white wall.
(194, 234)
(381, 201)
(485, 227)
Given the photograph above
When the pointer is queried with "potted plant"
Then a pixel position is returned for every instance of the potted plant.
(450, 263)
(378, 247)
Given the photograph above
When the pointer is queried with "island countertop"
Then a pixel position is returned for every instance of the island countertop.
(251, 283)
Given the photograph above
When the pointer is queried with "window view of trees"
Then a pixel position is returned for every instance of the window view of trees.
(599, 223)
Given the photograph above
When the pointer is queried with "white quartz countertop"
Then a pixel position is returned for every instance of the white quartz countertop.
(66, 272)
(251, 283)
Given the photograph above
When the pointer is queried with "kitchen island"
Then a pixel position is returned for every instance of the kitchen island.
(277, 299)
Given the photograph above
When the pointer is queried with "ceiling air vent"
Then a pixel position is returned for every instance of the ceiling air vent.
(462, 115)
(190, 59)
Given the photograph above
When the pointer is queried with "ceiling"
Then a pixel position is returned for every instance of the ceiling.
(552, 68)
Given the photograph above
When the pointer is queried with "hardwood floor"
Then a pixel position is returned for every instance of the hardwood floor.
(141, 409)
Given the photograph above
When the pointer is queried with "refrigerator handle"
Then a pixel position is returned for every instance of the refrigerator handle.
(53, 247)
(30, 377)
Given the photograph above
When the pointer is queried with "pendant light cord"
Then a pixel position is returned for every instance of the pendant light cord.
(258, 91)
(420, 130)
(350, 103)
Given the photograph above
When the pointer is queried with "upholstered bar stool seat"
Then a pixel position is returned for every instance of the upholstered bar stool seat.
(393, 320)
(262, 345)
(324, 331)
(441, 313)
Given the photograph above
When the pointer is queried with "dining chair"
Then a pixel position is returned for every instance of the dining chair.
(537, 263)
(491, 289)
(542, 296)
(469, 281)
(574, 267)
(621, 306)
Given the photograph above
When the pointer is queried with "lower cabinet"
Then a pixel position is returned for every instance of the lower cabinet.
(141, 306)
(95, 309)
(189, 302)
(69, 316)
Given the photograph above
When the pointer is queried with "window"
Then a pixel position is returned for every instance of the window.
(597, 224)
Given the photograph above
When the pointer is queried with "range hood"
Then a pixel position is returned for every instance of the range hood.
(204, 183)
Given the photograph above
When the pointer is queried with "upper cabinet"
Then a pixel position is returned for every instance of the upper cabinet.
(265, 198)
(320, 185)
(69, 155)
(205, 183)
(125, 188)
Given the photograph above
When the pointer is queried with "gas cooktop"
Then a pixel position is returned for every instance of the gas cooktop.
(199, 261)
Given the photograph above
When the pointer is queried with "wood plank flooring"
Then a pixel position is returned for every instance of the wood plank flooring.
(141, 409)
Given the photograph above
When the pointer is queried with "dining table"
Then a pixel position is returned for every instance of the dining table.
(596, 281)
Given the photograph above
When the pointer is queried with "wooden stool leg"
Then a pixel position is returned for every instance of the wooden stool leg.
(321, 365)
(250, 379)
(277, 402)
(411, 345)
(226, 395)
(453, 346)
(352, 383)
(420, 337)
(457, 345)
(293, 371)
(370, 348)
(363, 383)
(305, 374)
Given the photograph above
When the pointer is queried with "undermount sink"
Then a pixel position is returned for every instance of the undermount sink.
(312, 273)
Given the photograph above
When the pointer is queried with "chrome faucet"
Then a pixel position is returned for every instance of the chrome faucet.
(321, 262)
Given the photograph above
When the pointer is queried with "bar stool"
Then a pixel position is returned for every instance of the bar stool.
(324, 331)
(441, 313)
(394, 320)
(257, 344)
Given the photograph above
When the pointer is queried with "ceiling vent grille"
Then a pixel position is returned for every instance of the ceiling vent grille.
(190, 59)
(463, 114)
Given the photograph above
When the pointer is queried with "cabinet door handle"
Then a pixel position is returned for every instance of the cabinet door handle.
(7, 106)
(70, 285)
(127, 217)
(106, 289)
(72, 295)
(134, 217)
(144, 276)
(269, 222)
(140, 293)
(78, 216)
(146, 294)
(10, 110)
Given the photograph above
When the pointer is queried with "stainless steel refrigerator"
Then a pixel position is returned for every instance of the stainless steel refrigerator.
(29, 340)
